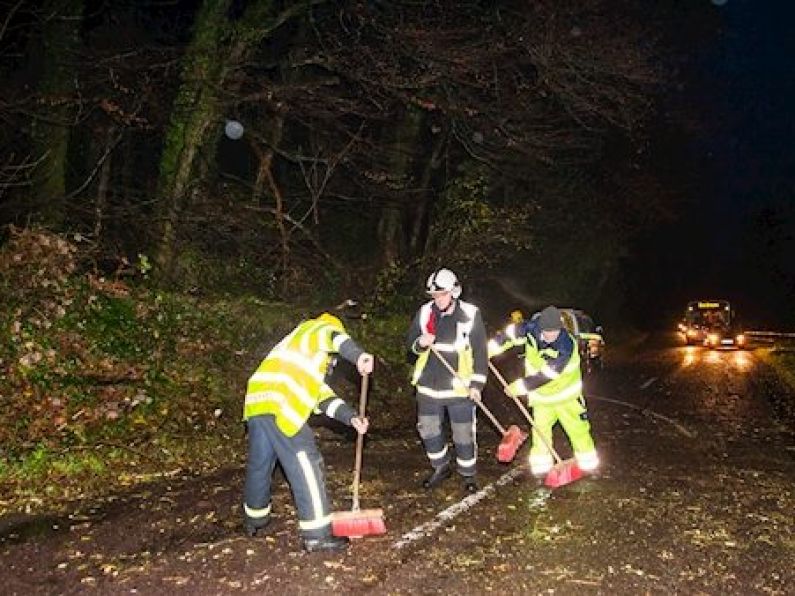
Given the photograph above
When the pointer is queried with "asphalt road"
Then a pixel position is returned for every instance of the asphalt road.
(695, 495)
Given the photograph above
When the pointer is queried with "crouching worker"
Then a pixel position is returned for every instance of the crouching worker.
(289, 386)
(552, 385)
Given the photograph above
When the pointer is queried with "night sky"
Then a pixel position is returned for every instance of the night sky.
(733, 165)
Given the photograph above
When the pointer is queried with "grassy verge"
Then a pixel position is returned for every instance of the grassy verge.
(192, 425)
(50, 479)
(782, 403)
(784, 364)
(128, 397)
(105, 383)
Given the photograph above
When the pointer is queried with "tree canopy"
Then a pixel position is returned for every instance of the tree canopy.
(376, 136)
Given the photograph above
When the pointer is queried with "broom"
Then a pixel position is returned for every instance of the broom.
(358, 522)
(512, 438)
(564, 471)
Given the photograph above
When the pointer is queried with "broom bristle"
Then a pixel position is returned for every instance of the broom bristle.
(355, 524)
(510, 444)
(506, 451)
(563, 473)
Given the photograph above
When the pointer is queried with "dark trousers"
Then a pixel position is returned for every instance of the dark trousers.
(302, 465)
(431, 414)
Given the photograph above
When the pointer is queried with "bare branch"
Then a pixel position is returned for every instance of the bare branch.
(8, 18)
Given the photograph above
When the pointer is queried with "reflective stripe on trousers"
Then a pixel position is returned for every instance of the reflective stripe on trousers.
(302, 465)
(430, 424)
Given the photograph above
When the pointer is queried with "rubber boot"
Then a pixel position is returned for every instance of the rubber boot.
(437, 477)
(254, 526)
(326, 543)
(470, 484)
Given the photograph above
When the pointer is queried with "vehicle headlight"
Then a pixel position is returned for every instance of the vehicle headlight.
(741, 339)
(691, 332)
(714, 338)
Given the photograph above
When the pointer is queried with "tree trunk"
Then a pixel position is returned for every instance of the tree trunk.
(218, 47)
(390, 230)
(420, 213)
(55, 61)
(194, 112)
(103, 184)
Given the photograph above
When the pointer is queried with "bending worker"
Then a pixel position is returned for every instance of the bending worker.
(290, 385)
(552, 384)
(455, 329)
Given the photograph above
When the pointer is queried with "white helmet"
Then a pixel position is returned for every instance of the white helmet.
(443, 280)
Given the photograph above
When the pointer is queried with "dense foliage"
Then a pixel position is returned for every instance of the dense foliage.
(364, 126)
(104, 380)
(90, 358)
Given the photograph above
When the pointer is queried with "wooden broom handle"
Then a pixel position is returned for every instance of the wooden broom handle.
(486, 411)
(526, 413)
(357, 462)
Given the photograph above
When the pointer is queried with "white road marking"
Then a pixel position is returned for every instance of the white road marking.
(465, 504)
(648, 383)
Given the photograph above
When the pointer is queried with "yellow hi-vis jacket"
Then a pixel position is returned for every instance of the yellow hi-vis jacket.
(290, 381)
(552, 373)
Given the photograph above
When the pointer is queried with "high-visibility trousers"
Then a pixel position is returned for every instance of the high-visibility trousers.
(302, 465)
(573, 417)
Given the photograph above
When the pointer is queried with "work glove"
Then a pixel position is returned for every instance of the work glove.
(365, 364)
(493, 348)
(516, 388)
(474, 395)
(360, 423)
(426, 339)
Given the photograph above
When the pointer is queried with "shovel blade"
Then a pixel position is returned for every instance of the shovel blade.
(563, 473)
(511, 441)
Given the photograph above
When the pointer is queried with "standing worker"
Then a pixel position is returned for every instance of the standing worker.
(456, 331)
(290, 385)
(552, 383)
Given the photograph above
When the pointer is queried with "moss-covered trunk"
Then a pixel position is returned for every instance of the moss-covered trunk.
(193, 114)
(218, 47)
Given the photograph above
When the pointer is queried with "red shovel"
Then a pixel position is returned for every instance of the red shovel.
(564, 471)
(512, 438)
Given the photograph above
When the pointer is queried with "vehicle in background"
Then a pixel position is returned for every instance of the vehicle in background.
(589, 337)
(711, 323)
(725, 336)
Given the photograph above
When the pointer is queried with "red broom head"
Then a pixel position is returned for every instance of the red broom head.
(563, 473)
(511, 441)
(505, 452)
(355, 524)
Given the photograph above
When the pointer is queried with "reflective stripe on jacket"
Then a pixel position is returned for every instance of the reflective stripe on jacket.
(511, 337)
(461, 340)
(290, 381)
(563, 377)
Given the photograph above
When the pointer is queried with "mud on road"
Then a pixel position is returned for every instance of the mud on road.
(695, 495)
